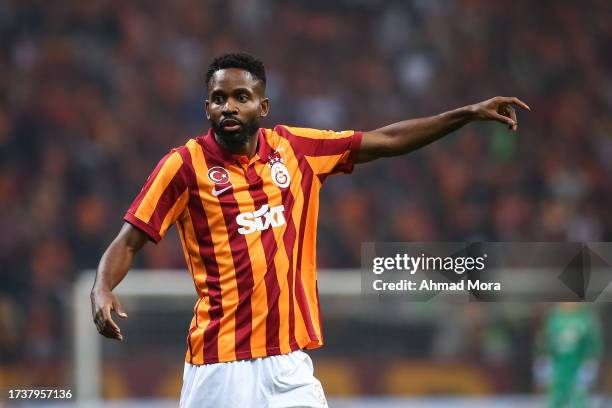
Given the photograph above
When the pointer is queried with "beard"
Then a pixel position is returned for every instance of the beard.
(235, 139)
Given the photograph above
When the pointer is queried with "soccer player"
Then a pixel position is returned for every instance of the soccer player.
(245, 201)
(571, 345)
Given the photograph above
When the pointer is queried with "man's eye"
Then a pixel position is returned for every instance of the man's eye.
(217, 100)
(243, 98)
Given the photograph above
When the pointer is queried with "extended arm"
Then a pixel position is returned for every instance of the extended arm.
(114, 265)
(403, 137)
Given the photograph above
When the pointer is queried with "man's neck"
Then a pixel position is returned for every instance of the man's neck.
(248, 148)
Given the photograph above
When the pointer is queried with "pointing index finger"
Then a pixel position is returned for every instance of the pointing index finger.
(517, 101)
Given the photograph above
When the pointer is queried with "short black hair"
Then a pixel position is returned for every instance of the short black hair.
(237, 60)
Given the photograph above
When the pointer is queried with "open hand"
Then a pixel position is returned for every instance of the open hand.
(102, 303)
(500, 109)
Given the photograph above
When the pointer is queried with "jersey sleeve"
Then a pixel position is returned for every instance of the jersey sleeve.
(327, 152)
(162, 199)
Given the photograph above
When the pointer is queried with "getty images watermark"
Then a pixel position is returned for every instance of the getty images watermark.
(488, 271)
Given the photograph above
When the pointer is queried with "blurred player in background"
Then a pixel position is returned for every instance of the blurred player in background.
(245, 201)
(570, 345)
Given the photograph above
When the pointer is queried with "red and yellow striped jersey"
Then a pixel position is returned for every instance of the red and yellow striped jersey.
(248, 231)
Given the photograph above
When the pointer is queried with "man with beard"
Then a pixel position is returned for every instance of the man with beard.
(245, 202)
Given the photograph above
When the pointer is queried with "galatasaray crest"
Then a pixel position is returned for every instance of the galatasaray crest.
(218, 175)
(278, 170)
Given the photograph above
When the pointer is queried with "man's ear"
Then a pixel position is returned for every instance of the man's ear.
(264, 106)
(206, 106)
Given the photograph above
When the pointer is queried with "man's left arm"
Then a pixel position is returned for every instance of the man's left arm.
(403, 137)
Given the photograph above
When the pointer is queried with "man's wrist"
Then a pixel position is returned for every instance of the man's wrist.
(100, 288)
(462, 115)
(471, 112)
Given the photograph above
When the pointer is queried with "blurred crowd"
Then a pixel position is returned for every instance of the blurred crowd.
(93, 93)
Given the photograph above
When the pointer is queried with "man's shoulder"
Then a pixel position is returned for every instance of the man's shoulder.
(190, 144)
(298, 135)
(293, 136)
(183, 151)
(288, 130)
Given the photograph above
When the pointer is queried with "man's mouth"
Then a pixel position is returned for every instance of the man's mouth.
(231, 125)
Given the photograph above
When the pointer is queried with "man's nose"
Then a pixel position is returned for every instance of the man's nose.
(229, 107)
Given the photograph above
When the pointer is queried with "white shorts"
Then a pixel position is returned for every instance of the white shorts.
(270, 382)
